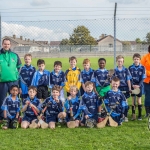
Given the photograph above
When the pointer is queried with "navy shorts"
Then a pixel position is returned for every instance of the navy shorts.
(68, 118)
(52, 119)
(93, 117)
(42, 92)
(29, 119)
(140, 94)
(125, 88)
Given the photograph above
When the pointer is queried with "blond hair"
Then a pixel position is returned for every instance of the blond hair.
(73, 88)
(119, 57)
(29, 55)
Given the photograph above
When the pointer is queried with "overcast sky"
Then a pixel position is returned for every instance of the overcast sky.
(99, 15)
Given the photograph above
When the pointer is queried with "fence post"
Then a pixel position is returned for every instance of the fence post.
(115, 35)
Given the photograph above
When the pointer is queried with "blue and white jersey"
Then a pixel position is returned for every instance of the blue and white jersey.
(75, 105)
(25, 77)
(137, 73)
(90, 100)
(41, 79)
(29, 112)
(86, 75)
(124, 75)
(99, 77)
(53, 108)
(12, 107)
(116, 100)
(57, 79)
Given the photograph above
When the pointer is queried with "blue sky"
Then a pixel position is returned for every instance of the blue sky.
(95, 14)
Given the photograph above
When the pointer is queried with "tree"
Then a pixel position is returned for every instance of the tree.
(138, 40)
(148, 37)
(64, 42)
(80, 36)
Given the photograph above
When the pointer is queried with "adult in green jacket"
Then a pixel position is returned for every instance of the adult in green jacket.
(9, 70)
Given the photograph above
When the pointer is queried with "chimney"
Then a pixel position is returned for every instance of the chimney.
(14, 36)
(102, 36)
(33, 41)
(21, 38)
(25, 39)
(28, 40)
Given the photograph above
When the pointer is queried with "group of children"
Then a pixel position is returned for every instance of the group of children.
(87, 91)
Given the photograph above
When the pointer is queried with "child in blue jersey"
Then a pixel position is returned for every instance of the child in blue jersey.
(138, 75)
(41, 80)
(73, 100)
(57, 77)
(54, 109)
(31, 101)
(99, 78)
(11, 108)
(124, 75)
(91, 102)
(86, 74)
(115, 101)
(26, 74)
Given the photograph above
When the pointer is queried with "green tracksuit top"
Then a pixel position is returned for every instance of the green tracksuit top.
(9, 66)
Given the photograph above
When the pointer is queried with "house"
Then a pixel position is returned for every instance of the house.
(106, 43)
(44, 46)
(55, 45)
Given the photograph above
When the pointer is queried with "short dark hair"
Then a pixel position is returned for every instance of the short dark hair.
(115, 79)
(56, 87)
(14, 86)
(72, 58)
(58, 63)
(102, 59)
(33, 88)
(149, 48)
(40, 61)
(137, 55)
(6, 39)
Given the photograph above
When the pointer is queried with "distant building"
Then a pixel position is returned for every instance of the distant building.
(106, 43)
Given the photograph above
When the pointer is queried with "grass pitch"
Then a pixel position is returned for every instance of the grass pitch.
(133, 135)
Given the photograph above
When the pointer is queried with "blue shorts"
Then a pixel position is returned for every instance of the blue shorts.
(125, 88)
(52, 119)
(93, 117)
(68, 118)
(29, 119)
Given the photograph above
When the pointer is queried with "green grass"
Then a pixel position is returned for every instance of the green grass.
(129, 136)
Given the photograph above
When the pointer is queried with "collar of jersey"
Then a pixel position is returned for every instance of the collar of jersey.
(86, 94)
(136, 67)
(34, 100)
(53, 72)
(73, 70)
(44, 71)
(123, 68)
(101, 70)
(73, 100)
(25, 66)
(87, 72)
(3, 51)
(10, 97)
(52, 100)
(115, 91)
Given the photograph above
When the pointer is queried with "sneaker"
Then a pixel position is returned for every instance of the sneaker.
(133, 117)
(139, 118)
(146, 115)
(126, 119)
(60, 120)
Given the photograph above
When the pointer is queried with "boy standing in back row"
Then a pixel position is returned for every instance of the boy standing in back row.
(138, 75)
(73, 75)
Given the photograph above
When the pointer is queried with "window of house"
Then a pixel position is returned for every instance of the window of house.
(110, 45)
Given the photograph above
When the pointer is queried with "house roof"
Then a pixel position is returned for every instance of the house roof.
(106, 37)
(132, 42)
(21, 41)
(55, 43)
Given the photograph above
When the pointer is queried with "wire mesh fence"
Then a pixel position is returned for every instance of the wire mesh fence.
(81, 37)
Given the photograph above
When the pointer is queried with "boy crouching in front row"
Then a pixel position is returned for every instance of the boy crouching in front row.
(54, 109)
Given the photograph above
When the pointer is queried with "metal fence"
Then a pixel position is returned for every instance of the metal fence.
(44, 38)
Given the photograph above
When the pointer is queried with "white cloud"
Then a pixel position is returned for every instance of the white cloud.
(32, 32)
(39, 2)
